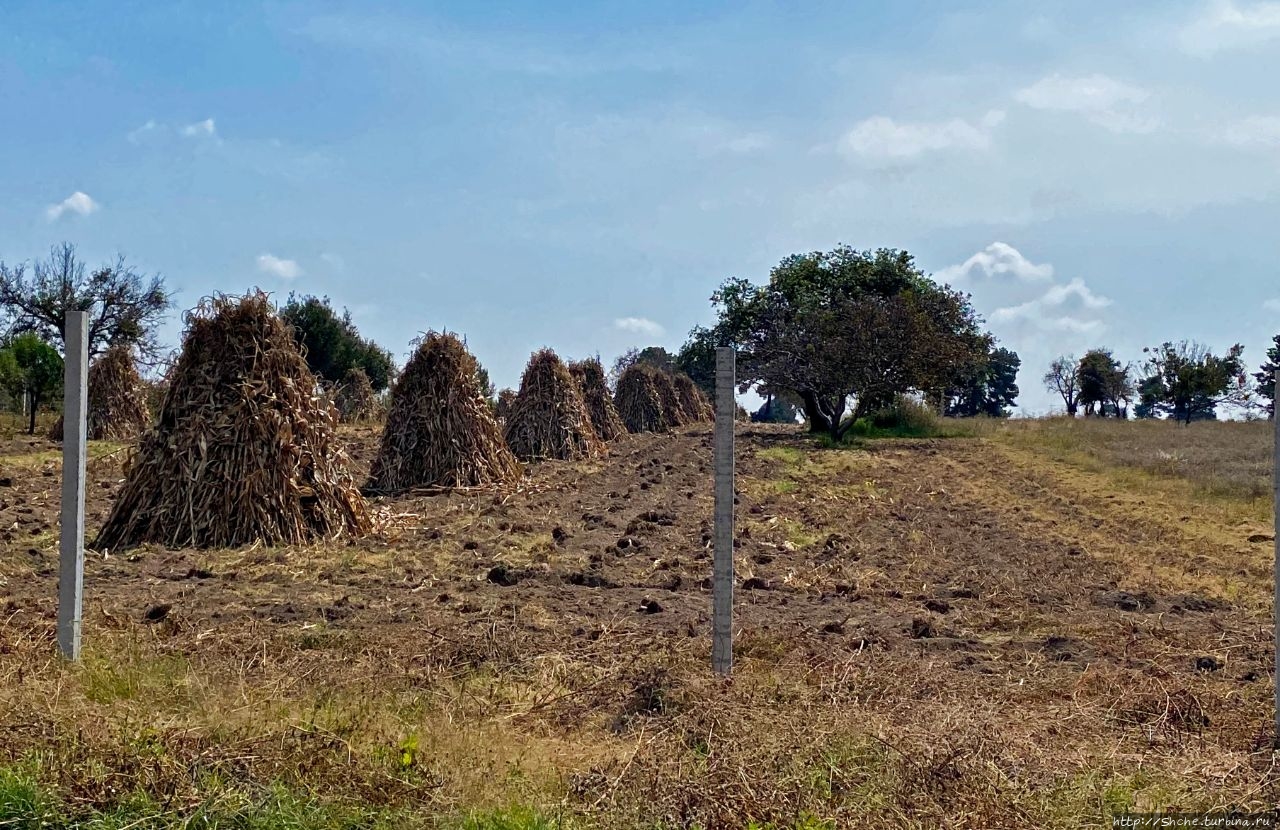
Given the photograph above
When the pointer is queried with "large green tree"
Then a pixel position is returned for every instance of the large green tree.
(125, 307)
(989, 388)
(1105, 385)
(697, 359)
(333, 344)
(848, 325)
(31, 368)
(1187, 382)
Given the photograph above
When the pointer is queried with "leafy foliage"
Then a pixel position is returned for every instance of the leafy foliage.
(697, 359)
(1266, 376)
(1105, 385)
(990, 387)
(846, 324)
(333, 344)
(125, 307)
(29, 366)
(1187, 382)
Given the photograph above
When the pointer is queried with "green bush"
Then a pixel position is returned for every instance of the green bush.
(904, 418)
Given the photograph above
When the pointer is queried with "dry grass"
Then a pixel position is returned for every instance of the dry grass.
(1231, 459)
(408, 691)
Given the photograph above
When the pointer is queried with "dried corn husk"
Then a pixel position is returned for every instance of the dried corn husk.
(243, 450)
(440, 431)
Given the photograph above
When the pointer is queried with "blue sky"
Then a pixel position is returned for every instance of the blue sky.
(582, 177)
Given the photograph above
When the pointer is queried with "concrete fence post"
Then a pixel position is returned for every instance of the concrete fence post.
(722, 563)
(71, 542)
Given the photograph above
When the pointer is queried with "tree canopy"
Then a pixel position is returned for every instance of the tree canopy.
(989, 388)
(848, 324)
(1266, 376)
(30, 366)
(125, 307)
(333, 344)
(1105, 385)
(1187, 382)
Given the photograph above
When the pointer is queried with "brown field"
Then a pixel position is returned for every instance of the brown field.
(1037, 627)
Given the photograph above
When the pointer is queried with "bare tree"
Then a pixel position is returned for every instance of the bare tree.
(1064, 379)
(125, 307)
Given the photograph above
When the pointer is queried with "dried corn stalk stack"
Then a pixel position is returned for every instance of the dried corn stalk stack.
(548, 418)
(693, 403)
(595, 395)
(503, 407)
(117, 407)
(440, 431)
(355, 398)
(638, 402)
(669, 398)
(243, 451)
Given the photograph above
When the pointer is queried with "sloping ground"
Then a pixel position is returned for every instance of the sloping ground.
(955, 631)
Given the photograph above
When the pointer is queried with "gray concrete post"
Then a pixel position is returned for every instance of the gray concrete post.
(722, 563)
(71, 543)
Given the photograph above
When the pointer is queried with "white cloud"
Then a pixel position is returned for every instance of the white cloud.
(285, 269)
(200, 128)
(77, 202)
(1272, 305)
(882, 137)
(1103, 100)
(1033, 313)
(1227, 24)
(997, 259)
(1062, 294)
(1062, 308)
(639, 325)
(145, 131)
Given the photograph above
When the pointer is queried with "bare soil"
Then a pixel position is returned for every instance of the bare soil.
(936, 631)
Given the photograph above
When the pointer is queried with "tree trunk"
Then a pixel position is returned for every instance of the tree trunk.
(818, 420)
(35, 405)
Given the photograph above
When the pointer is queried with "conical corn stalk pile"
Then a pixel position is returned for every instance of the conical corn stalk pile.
(638, 402)
(117, 406)
(440, 431)
(243, 451)
(595, 395)
(668, 397)
(548, 418)
(693, 404)
(355, 398)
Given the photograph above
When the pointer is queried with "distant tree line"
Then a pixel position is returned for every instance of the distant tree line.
(1182, 381)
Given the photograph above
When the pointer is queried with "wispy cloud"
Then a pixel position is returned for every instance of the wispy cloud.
(1061, 308)
(428, 40)
(997, 259)
(1254, 131)
(639, 325)
(147, 130)
(1103, 100)
(1272, 304)
(286, 269)
(1227, 24)
(79, 202)
(881, 137)
(200, 129)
